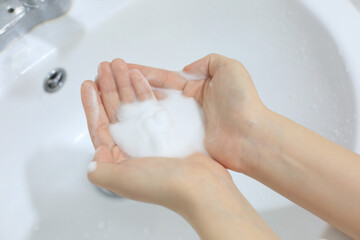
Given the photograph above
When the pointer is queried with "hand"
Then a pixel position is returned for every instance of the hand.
(196, 187)
(245, 136)
(173, 183)
(230, 102)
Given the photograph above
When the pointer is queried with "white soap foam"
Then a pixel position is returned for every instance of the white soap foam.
(91, 166)
(172, 127)
(191, 76)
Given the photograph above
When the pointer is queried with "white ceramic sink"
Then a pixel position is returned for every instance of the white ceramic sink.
(301, 55)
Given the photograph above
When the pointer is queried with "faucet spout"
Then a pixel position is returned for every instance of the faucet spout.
(32, 3)
(17, 17)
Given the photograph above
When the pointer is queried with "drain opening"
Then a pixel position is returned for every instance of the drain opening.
(11, 10)
(54, 80)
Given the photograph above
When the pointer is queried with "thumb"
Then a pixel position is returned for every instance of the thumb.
(104, 172)
(100, 168)
(207, 66)
(141, 179)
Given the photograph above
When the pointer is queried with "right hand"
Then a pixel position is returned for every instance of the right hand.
(230, 102)
(245, 136)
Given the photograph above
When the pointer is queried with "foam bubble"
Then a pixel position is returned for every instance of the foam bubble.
(172, 127)
(91, 166)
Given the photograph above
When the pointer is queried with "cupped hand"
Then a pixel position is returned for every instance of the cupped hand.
(174, 183)
(230, 102)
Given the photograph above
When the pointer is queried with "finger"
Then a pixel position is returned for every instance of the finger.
(102, 158)
(122, 79)
(109, 93)
(97, 83)
(132, 179)
(104, 172)
(194, 89)
(207, 65)
(160, 78)
(103, 154)
(159, 94)
(97, 120)
(141, 86)
(118, 154)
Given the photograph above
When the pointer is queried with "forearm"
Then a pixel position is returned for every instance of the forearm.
(227, 217)
(310, 170)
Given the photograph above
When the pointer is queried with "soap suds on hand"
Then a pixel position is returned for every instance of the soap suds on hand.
(191, 76)
(172, 127)
(91, 166)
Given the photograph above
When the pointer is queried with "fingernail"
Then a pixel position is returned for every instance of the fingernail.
(91, 167)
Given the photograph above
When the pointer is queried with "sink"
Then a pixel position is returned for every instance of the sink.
(298, 53)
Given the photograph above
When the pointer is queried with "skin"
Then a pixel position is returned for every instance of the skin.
(244, 135)
(196, 187)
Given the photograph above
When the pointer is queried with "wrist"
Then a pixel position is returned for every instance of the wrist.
(227, 215)
(263, 141)
(253, 133)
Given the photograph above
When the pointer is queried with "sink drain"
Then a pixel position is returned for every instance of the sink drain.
(54, 80)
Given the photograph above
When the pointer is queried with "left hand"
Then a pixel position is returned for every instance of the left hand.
(178, 184)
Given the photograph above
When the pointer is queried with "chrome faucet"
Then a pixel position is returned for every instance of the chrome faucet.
(17, 17)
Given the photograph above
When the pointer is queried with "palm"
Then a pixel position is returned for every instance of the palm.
(220, 93)
(116, 85)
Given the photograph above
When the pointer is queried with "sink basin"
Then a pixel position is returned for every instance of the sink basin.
(299, 54)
